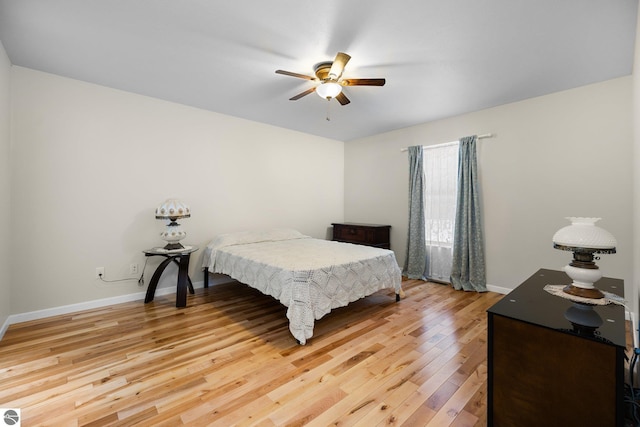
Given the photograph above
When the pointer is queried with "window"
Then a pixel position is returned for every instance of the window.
(440, 187)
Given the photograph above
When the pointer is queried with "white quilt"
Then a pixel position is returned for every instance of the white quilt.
(309, 276)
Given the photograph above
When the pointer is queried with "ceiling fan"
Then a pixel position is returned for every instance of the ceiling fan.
(329, 75)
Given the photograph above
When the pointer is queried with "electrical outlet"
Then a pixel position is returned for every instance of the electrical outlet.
(99, 272)
(133, 268)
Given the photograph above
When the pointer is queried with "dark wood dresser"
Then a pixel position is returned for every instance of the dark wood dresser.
(546, 368)
(362, 234)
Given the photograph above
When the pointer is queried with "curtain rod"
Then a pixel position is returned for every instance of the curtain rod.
(484, 135)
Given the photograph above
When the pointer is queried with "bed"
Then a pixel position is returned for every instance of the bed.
(309, 276)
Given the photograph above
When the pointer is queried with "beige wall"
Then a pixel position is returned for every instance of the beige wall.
(565, 154)
(5, 189)
(91, 164)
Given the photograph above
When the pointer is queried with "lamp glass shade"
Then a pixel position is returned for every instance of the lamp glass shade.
(584, 234)
(173, 209)
(329, 90)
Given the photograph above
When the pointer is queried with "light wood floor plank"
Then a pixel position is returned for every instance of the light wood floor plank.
(228, 359)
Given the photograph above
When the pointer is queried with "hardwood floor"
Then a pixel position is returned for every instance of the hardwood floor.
(228, 359)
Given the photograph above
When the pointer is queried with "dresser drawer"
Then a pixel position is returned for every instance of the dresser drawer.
(362, 234)
(355, 234)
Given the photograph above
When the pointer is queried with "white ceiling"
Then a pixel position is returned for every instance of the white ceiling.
(440, 58)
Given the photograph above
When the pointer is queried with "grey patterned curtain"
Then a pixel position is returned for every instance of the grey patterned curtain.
(468, 271)
(415, 260)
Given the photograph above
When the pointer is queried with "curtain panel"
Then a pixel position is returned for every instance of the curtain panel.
(468, 271)
(415, 260)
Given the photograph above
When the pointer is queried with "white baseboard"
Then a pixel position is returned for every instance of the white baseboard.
(87, 305)
(104, 302)
(498, 289)
(4, 328)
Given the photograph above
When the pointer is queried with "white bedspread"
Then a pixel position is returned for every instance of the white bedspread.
(309, 276)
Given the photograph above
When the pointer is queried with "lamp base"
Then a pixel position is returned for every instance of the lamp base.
(172, 235)
(591, 293)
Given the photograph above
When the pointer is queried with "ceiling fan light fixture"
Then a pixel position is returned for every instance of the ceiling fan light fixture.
(328, 90)
(329, 76)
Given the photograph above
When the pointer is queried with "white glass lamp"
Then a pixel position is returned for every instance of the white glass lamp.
(584, 239)
(328, 89)
(172, 210)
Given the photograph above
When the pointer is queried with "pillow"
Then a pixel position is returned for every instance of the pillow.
(282, 234)
(245, 237)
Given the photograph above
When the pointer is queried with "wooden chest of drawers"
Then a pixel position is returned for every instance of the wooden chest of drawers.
(547, 369)
(362, 234)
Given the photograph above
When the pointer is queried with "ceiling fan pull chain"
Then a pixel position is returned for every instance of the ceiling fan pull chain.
(328, 109)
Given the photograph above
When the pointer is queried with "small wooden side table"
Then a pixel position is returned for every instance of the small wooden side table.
(181, 258)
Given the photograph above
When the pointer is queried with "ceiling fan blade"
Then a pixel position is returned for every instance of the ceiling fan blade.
(363, 82)
(300, 95)
(300, 76)
(338, 65)
(342, 98)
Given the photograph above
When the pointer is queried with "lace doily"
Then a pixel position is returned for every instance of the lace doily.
(608, 298)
